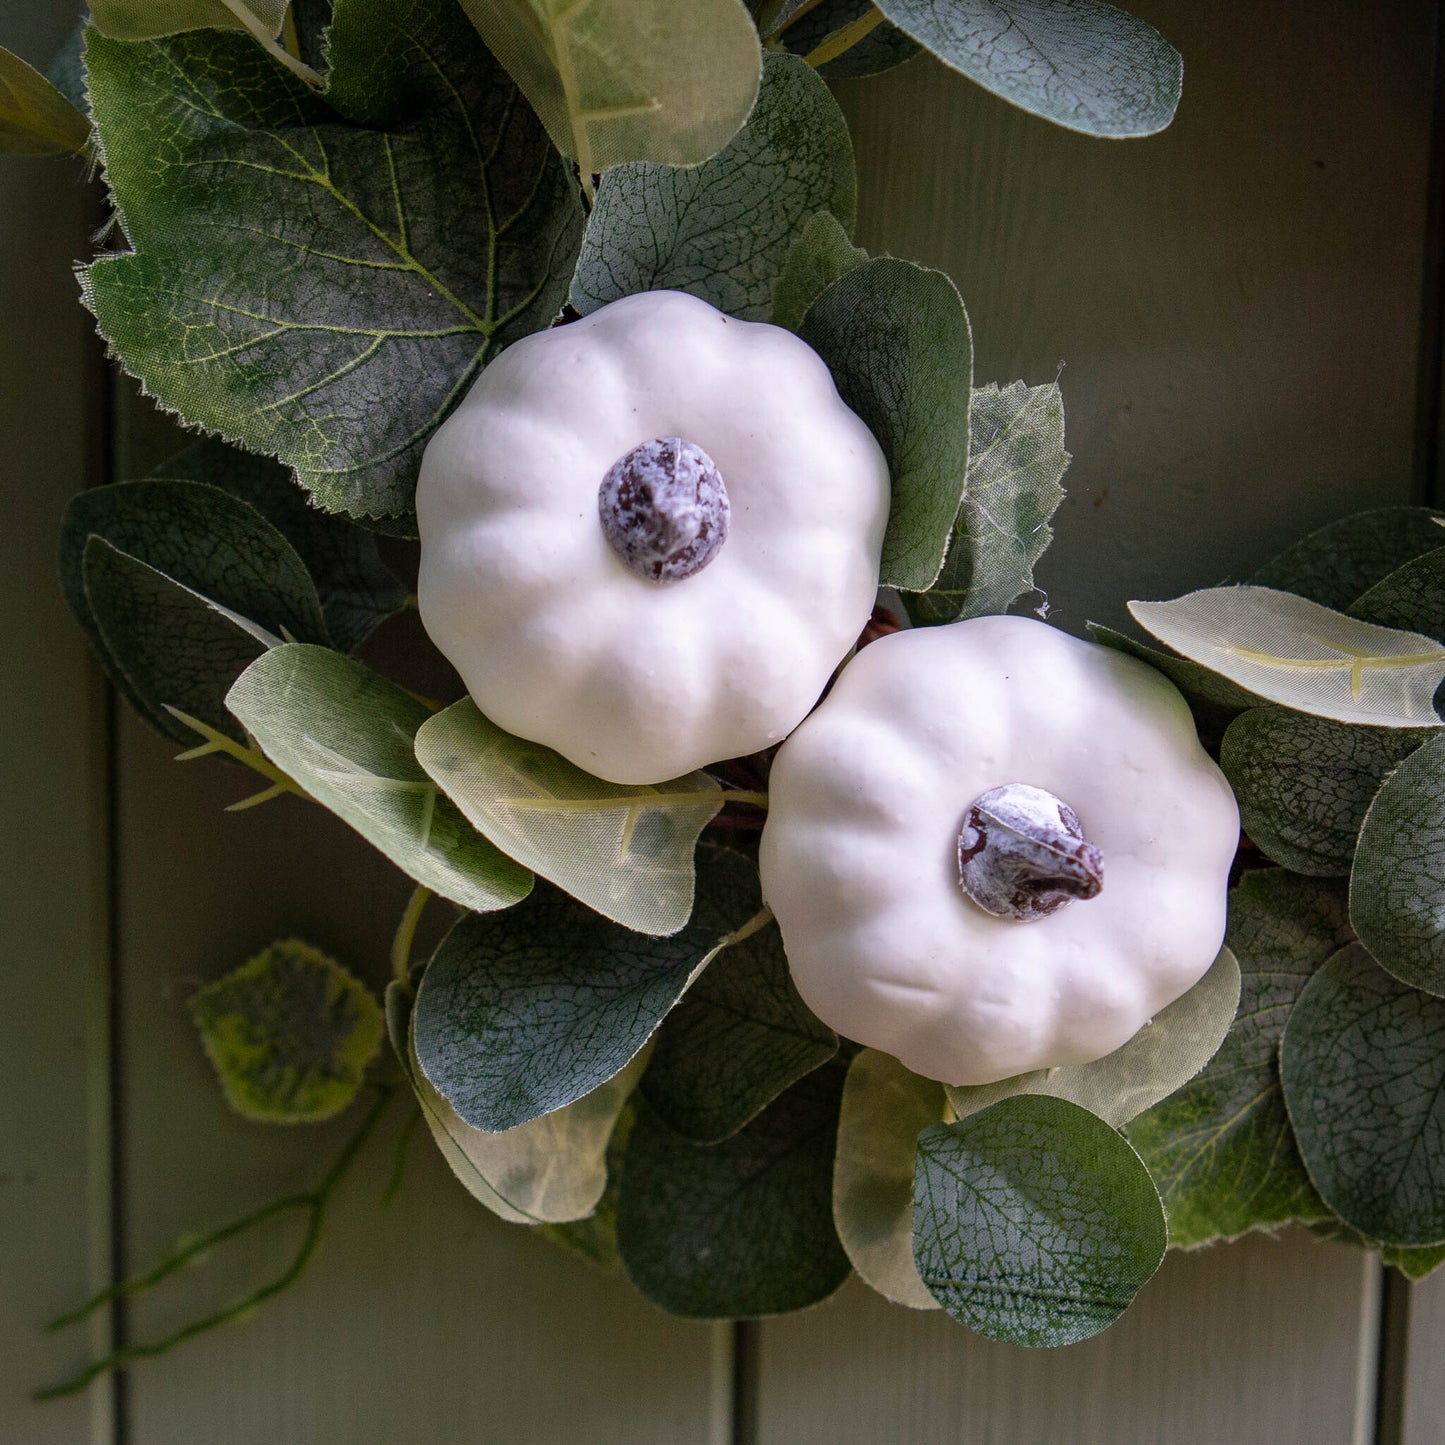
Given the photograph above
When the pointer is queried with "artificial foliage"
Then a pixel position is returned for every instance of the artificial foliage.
(328, 220)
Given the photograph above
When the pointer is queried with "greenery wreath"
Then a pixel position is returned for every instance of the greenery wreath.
(365, 242)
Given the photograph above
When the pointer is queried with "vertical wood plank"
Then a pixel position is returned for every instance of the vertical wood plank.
(1423, 1384)
(54, 1154)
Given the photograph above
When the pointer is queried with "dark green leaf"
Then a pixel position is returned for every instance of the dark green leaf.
(723, 230)
(35, 118)
(1363, 1064)
(345, 735)
(1078, 63)
(148, 19)
(290, 1034)
(742, 1228)
(821, 254)
(1397, 888)
(897, 340)
(1336, 564)
(1414, 1264)
(66, 71)
(1221, 1149)
(1016, 458)
(883, 48)
(1304, 783)
(356, 588)
(1034, 1222)
(297, 284)
(1412, 597)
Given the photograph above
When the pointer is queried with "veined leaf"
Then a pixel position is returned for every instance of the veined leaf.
(295, 283)
(290, 1034)
(1397, 887)
(35, 118)
(625, 850)
(657, 227)
(628, 80)
(1034, 1222)
(1081, 64)
(884, 1108)
(1414, 1263)
(345, 735)
(1412, 597)
(1303, 656)
(152, 19)
(1162, 1057)
(1015, 461)
(821, 254)
(1363, 1064)
(882, 47)
(897, 340)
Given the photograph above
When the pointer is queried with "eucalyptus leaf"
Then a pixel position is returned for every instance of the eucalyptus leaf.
(1015, 462)
(1304, 783)
(656, 227)
(290, 1034)
(595, 1237)
(1363, 1064)
(1083, 65)
(66, 71)
(1294, 652)
(1034, 1222)
(1221, 1149)
(884, 1108)
(296, 283)
(1397, 888)
(820, 255)
(357, 590)
(1412, 597)
(628, 80)
(1336, 564)
(625, 850)
(742, 1228)
(164, 645)
(1162, 1057)
(152, 19)
(897, 340)
(345, 735)
(884, 47)
(35, 118)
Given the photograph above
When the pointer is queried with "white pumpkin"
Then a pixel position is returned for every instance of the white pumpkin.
(559, 638)
(871, 807)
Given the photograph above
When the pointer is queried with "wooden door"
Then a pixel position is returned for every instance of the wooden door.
(1248, 307)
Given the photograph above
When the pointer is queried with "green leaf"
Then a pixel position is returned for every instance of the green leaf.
(1221, 1149)
(1338, 563)
(164, 645)
(1083, 65)
(151, 19)
(884, 1107)
(1034, 1222)
(595, 1238)
(35, 118)
(296, 283)
(657, 227)
(1411, 598)
(883, 48)
(737, 1038)
(1016, 459)
(1162, 1057)
(897, 340)
(1294, 652)
(1304, 783)
(625, 850)
(1363, 1064)
(1414, 1264)
(356, 589)
(1397, 888)
(345, 735)
(820, 255)
(290, 1034)
(628, 80)
(742, 1228)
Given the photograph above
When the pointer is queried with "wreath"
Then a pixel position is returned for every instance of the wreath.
(567, 290)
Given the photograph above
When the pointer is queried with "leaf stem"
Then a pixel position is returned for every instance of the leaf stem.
(845, 38)
(267, 42)
(401, 942)
(218, 742)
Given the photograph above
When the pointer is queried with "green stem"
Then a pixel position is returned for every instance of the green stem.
(217, 742)
(845, 38)
(405, 935)
(267, 42)
(398, 1163)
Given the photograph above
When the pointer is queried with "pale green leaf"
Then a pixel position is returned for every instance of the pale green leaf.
(820, 255)
(1397, 887)
(1162, 1057)
(1034, 1222)
(897, 340)
(1015, 462)
(626, 850)
(884, 1108)
(152, 19)
(657, 227)
(1303, 656)
(35, 118)
(1081, 64)
(290, 1034)
(628, 80)
(345, 735)
(1363, 1064)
